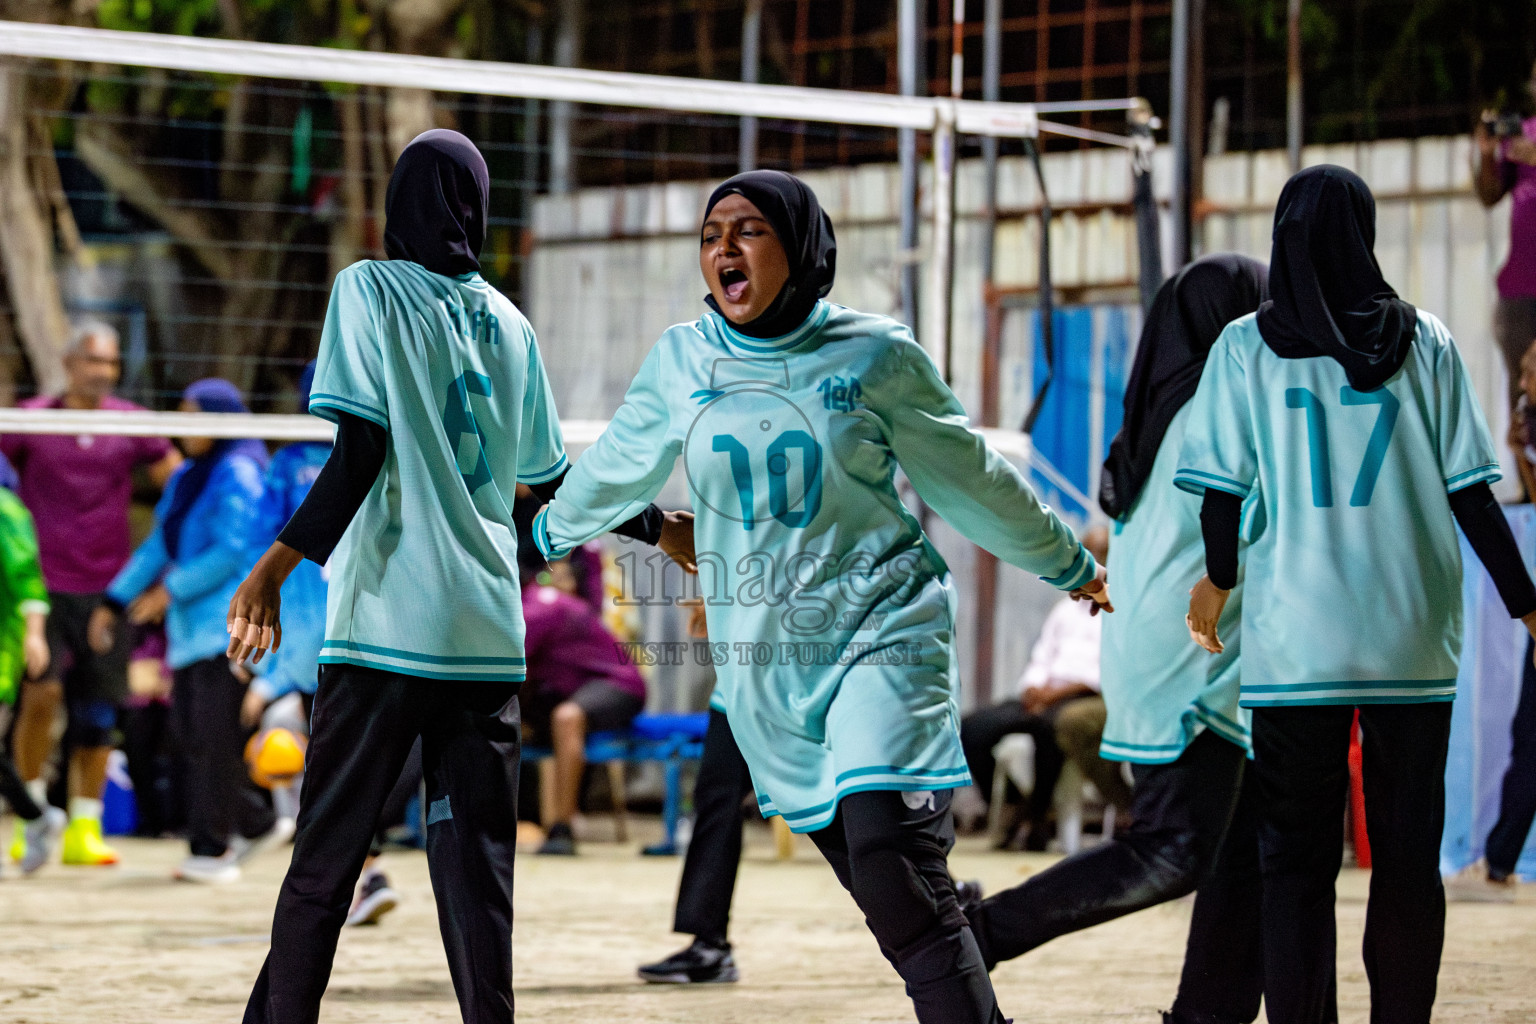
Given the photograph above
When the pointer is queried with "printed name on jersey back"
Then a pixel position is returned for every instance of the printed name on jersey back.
(475, 324)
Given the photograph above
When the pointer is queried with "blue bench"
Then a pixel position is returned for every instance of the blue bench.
(671, 739)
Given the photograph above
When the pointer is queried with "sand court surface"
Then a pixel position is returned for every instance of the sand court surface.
(127, 944)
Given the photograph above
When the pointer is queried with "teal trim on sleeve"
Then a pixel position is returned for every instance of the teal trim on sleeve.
(548, 474)
(1197, 482)
(1480, 475)
(1082, 569)
(319, 404)
(541, 537)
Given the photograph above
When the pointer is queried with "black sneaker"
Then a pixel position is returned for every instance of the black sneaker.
(374, 899)
(560, 842)
(703, 963)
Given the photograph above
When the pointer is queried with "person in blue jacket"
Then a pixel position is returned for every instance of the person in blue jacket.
(295, 667)
(202, 545)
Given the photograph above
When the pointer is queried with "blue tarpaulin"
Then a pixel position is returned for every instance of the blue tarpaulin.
(1487, 691)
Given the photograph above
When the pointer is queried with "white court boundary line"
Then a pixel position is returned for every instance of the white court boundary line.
(532, 81)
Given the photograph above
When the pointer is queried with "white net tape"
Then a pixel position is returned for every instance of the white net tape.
(578, 434)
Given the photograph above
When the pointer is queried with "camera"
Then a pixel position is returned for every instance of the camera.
(1502, 126)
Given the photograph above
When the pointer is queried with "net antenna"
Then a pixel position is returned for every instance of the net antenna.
(944, 117)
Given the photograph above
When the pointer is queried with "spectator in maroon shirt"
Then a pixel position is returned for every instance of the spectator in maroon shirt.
(579, 681)
(78, 488)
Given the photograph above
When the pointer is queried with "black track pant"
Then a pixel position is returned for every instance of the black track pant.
(361, 731)
(1301, 756)
(1181, 812)
(714, 853)
(221, 798)
(1517, 797)
(889, 850)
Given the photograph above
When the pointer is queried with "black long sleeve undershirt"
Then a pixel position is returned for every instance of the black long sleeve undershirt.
(338, 492)
(1221, 516)
(1475, 509)
(1482, 520)
(348, 475)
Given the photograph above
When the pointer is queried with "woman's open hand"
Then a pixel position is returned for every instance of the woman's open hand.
(1206, 603)
(253, 621)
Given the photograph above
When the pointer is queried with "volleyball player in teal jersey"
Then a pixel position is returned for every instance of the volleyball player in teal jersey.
(834, 613)
(435, 383)
(1173, 711)
(1346, 415)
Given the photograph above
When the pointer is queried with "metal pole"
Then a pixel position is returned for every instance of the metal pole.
(991, 91)
(567, 52)
(751, 43)
(530, 163)
(946, 157)
(1047, 291)
(906, 61)
(1178, 131)
(1149, 244)
(1293, 84)
(943, 240)
(985, 611)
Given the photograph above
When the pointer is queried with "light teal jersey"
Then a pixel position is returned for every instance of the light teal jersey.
(425, 579)
(834, 613)
(1160, 689)
(1354, 584)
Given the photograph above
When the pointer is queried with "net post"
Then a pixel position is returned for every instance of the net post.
(943, 268)
(751, 40)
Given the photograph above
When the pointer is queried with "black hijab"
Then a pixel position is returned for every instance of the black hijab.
(1327, 295)
(805, 231)
(437, 205)
(1187, 315)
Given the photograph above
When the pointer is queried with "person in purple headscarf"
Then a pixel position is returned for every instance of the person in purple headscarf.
(185, 572)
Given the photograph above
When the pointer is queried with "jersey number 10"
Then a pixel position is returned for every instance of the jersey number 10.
(778, 477)
(1317, 441)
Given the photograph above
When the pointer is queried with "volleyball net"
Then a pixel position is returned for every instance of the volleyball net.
(199, 195)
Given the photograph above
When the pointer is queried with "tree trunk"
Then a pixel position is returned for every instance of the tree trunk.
(26, 242)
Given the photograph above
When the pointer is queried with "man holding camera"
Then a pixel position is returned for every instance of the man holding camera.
(1506, 164)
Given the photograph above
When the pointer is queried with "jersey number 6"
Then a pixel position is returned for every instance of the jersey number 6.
(464, 433)
(1317, 441)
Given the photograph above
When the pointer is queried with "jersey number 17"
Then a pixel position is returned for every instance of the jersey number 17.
(1317, 441)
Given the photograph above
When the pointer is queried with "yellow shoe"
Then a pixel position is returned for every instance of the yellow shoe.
(18, 849)
(83, 844)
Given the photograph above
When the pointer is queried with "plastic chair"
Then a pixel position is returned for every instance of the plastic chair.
(1015, 757)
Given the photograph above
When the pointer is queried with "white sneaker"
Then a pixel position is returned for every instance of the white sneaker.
(208, 870)
(374, 899)
(1473, 885)
(43, 836)
(244, 849)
